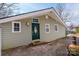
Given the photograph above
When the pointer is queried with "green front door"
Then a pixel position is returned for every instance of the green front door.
(35, 31)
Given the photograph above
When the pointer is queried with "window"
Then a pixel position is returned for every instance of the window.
(16, 26)
(47, 28)
(56, 27)
(35, 20)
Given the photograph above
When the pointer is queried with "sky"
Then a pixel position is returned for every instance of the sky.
(72, 8)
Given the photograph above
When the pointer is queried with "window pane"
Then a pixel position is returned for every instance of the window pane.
(47, 29)
(35, 20)
(56, 29)
(16, 26)
(16, 29)
(47, 25)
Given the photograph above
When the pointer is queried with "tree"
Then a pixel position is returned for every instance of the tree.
(71, 26)
(6, 9)
(65, 15)
(60, 8)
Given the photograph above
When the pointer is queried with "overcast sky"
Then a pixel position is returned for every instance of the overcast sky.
(71, 8)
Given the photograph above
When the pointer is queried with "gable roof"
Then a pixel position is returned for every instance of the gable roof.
(33, 14)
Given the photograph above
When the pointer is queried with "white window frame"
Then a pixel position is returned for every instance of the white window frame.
(57, 27)
(47, 27)
(13, 27)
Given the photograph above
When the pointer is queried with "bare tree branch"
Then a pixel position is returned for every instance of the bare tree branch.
(60, 8)
(62, 12)
(1, 5)
(6, 9)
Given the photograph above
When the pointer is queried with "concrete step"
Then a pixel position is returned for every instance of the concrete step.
(38, 42)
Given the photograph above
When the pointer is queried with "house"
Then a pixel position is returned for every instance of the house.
(43, 25)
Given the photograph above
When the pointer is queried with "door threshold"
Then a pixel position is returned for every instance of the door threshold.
(35, 40)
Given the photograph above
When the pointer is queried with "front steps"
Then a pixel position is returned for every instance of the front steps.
(38, 42)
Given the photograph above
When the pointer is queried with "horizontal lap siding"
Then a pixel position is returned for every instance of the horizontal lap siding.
(52, 35)
(10, 40)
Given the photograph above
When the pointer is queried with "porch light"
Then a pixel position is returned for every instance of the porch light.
(46, 17)
(27, 23)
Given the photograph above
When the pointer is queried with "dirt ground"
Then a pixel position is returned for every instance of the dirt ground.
(54, 48)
